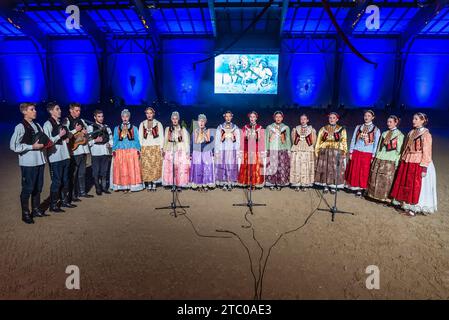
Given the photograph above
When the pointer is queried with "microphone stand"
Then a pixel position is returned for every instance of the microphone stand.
(174, 188)
(250, 204)
(334, 209)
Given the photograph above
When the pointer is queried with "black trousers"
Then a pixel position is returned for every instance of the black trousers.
(78, 175)
(100, 166)
(32, 182)
(59, 173)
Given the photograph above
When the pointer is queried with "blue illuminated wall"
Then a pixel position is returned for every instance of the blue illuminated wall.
(130, 75)
(426, 78)
(181, 81)
(363, 85)
(307, 73)
(22, 73)
(74, 70)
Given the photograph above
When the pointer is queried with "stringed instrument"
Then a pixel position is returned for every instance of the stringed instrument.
(79, 138)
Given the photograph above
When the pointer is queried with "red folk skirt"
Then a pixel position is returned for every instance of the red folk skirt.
(407, 186)
(357, 173)
(257, 174)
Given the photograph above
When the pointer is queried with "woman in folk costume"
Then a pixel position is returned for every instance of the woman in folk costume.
(277, 144)
(252, 145)
(362, 151)
(151, 137)
(177, 148)
(126, 156)
(331, 145)
(415, 184)
(302, 158)
(227, 145)
(202, 173)
(383, 168)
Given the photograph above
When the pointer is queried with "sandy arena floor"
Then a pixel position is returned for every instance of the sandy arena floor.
(126, 249)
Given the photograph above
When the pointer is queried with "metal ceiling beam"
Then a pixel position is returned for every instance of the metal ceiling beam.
(157, 5)
(144, 13)
(419, 21)
(405, 42)
(283, 15)
(354, 16)
(22, 22)
(89, 26)
(211, 6)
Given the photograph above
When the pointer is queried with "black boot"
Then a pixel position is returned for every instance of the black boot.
(54, 197)
(74, 196)
(37, 212)
(65, 203)
(104, 185)
(82, 186)
(26, 215)
(98, 190)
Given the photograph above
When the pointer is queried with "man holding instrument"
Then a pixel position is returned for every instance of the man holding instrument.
(31, 161)
(59, 159)
(100, 148)
(79, 150)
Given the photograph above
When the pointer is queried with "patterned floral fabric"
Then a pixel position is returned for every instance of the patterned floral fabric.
(381, 179)
(176, 140)
(151, 164)
(278, 144)
(302, 158)
(182, 169)
(326, 168)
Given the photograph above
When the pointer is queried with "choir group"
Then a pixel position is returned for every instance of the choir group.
(387, 166)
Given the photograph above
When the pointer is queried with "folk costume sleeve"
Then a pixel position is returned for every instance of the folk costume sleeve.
(115, 139)
(15, 144)
(319, 141)
(427, 150)
(376, 141)
(344, 141)
(354, 137)
(399, 147)
(160, 129)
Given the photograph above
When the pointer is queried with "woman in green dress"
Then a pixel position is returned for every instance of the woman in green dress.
(383, 168)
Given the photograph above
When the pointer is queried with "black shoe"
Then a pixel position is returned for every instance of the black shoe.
(35, 204)
(24, 203)
(38, 213)
(86, 195)
(27, 218)
(75, 199)
(98, 192)
(55, 209)
(54, 197)
(65, 204)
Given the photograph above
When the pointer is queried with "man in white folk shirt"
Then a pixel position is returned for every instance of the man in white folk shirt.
(79, 152)
(100, 149)
(59, 160)
(31, 160)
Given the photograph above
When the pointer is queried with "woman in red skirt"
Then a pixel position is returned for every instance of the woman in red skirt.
(253, 153)
(415, 184)
(361, 153)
